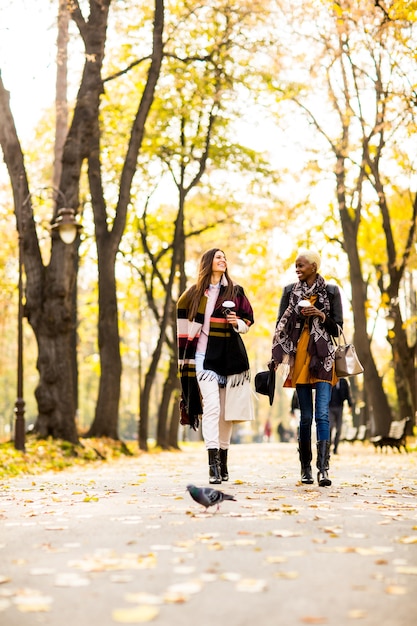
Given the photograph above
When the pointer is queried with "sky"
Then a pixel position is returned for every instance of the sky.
(27, 59)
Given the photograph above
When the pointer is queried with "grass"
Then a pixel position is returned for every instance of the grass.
(55, 455)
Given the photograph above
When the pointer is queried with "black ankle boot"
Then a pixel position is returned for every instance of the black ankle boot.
(304, 451)
(214, 467)
(223, 465)
(323, 455)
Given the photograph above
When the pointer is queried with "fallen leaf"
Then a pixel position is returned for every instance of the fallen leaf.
(121, 578)
(287, 575)
(410, 539)
(406, 569)
(143, 598)
(251, 585)
(357, 614)
(30, 601)
(244, 542)
(174, 598)
(285, 533)
(186, 588)
(136, 615)
(71, 579)
(42, 571)
(230, 576)
(276, 559)
(396, 590)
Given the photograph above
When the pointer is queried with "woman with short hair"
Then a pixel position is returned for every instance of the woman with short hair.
(309, 313)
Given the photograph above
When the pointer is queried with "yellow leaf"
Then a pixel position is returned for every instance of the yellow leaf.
(33, 603)
(135, 615)
(396, 590)
(251, 585)
(357, 614)
(143, 598)
(171, 597)
(186, 588)
(292, 575)
(276, 559)
(4, 579)
(411, 539)
(406, 569)
(285, 533)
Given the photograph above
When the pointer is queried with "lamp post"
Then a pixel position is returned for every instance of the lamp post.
(19, 408)
(68, 228)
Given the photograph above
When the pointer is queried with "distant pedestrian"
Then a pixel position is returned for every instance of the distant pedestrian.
(340, 395)
(268, 430)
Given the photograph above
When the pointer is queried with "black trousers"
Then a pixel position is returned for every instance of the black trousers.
(336, 420)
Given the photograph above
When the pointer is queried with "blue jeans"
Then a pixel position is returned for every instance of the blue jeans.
(321, 410)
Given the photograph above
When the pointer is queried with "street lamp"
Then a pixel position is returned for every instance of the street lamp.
(67, 227)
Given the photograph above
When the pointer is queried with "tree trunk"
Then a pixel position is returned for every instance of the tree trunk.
(61, 99)
(174, 421)
(379, 409)
(48, 296)
(403, 361)
(170, 385)
(106, 418)
(108, 241)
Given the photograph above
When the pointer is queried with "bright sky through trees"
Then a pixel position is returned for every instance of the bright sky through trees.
(27, 59)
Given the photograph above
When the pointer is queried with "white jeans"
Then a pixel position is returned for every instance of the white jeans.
(216, 431)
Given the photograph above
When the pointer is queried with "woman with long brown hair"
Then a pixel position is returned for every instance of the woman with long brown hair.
(213, 363)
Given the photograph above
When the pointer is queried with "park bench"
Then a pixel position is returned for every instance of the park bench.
(354, 433)
(396, 438)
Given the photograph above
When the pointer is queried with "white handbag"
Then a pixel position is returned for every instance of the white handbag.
(346, 360)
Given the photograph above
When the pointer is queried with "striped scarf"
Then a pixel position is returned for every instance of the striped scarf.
(225, 355)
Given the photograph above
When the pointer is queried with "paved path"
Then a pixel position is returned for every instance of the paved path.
(124, 543)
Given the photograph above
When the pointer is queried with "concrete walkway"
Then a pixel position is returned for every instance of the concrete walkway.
(124, 542)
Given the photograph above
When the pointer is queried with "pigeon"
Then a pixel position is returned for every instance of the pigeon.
(206, 496)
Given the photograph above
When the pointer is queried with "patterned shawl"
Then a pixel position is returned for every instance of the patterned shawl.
(225, 355)
(290, 326)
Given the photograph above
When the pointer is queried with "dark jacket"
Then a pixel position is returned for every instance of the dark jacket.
(340, 393)
(335, 316)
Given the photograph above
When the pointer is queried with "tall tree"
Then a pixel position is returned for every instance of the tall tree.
(50, 288)
(108, 241)
(357, 56)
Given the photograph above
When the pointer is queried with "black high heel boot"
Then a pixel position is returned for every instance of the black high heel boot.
(304, 450)
(214, 467)
(223, 465)
(323, 456)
